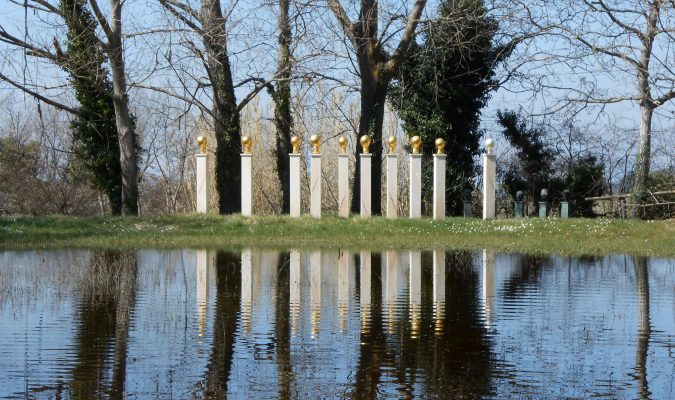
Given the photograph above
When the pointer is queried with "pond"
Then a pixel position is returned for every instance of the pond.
(334, 324)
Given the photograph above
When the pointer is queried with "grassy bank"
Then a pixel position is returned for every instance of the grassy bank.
(550, 236)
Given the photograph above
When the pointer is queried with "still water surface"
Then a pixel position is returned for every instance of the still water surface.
(207, 324)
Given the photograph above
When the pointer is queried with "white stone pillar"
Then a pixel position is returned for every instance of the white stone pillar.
(315, 186)
(392, 185)
(489, 180)
(246, 185)
(202, 183)
(294, 178)
(439, 186)
(415, 201)
(343, 185)
(366, 167)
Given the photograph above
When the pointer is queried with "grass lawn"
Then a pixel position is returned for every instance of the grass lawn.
(536, 236)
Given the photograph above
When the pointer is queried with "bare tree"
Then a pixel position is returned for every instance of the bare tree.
(282, 102)
(601, 52)
(115, 51)
(113, 48)
(209, 23)
(376, 69)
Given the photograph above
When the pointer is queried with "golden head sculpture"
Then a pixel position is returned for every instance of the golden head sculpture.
(392, 144)
(316, 144)
(201, 141)
(247, 142)
(365, 143)
(440, 146)
(415, 141)
(295, 142)
(342, 141)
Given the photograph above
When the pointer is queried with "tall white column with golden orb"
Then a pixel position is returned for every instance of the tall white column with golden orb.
(343, 178)
(439, 179)
(366, 168)
(489, 179)
(415, 181)
(203, 186)
(246, 177)
(294, 177)
(315, 178)
(392, 179)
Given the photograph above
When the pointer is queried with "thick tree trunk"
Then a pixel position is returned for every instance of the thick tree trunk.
(376, 68)
(373, 97)
(282, 104)
(644, 153)
(226, 116)
(128, 158)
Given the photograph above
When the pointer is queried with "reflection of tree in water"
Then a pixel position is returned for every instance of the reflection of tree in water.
(454, 362)
(282, 328)
(373, 354)
(228, 293)
(107, 297)
(644, 325)
(529, 274)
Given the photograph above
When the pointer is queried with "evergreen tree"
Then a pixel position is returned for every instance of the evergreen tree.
(538, 167)
(94, 130)
(532, 170)
(442, 87)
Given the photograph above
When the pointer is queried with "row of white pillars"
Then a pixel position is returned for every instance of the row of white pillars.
(415, 181)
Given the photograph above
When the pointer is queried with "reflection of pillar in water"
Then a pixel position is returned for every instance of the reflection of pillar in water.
(415, 286)
(345, 272)
(391, 287)
(294, 289)
(364, 297)
(439, 290)
(246, 289)
(315, 292)
(204, 265)
(488, 291)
